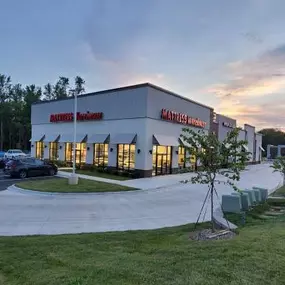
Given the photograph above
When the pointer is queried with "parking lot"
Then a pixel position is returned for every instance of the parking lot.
(6, 181)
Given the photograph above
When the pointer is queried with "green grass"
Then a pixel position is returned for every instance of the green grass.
(99, 174)
(279, 192)
(252, 217)
(255, 257)
(61, 185)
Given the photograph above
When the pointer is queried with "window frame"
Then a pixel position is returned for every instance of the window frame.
(181, 152)
(82, 148)
(128, 151)
(40, 150)
(53, 148)
(104, 158)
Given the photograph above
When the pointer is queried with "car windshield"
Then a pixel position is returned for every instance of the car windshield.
(28, 160)
(18, 151)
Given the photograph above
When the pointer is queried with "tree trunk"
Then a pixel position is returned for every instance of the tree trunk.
(212, 207)
(1, 135)
(283, 179)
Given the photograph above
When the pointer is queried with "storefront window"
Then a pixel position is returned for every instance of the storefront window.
(193, 162)
(53, 151)
(40, 150)
(101, 154)
(126, 156)
(80, 152)
(161, 160)
(181, 157)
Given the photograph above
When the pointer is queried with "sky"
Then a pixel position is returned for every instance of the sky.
(227, 54)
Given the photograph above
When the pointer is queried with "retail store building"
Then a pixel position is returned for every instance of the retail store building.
(133, 128)
(223, 124)
(130, 128)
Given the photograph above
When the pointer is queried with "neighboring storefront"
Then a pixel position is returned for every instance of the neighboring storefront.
(134, 128)
(224, 124)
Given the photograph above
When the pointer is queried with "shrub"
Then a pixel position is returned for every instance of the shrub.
(125, 173)
(59, 163)
(88, 167)
(101, 169)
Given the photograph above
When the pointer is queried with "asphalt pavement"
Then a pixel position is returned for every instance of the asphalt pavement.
(6, 181)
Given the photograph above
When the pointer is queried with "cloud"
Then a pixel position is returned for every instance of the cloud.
(259, 77)
(262, 115)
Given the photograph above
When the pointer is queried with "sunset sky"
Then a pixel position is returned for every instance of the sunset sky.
(224, 53)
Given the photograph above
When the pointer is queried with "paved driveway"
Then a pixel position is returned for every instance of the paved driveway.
(5, 181)
(171, 204)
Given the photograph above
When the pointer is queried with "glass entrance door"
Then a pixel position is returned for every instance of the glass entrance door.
(78, 156)
(161, 160)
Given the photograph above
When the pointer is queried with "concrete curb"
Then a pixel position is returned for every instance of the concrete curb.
(224, 223)
(221, 221)
(14, 188)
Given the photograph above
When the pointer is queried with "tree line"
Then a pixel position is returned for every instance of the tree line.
(15, 110)
(15, 107)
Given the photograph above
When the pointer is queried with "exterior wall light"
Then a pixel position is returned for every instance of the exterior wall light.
(32, 145)
(60, 147)
(45, 146)
(139, 150)
(150, 151)
(111, 149)
(88, 148)
(176, 151)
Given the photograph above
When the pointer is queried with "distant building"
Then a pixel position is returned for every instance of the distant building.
(223, 124)
(274, 151)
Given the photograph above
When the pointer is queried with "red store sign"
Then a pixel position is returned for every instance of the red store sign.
(182, 118)
(68, 117)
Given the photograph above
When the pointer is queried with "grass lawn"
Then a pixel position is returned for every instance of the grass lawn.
(99, 174)
(255, 257)
(279, 192)
(61, 185)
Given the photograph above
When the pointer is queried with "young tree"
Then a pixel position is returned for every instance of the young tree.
(211, 155)
(279, 166)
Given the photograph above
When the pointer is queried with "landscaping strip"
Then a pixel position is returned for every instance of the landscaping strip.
(166, 256)
(60, 185)
(99, 174)
(280, 192)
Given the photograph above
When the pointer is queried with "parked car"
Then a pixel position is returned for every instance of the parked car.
(14, 153)
(27, 167)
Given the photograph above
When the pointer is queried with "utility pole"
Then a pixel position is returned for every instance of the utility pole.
(73, 179)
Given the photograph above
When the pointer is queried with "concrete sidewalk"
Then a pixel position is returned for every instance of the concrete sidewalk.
(141, 183)
(94, 178)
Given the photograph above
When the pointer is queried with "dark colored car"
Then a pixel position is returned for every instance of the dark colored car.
(27, 167)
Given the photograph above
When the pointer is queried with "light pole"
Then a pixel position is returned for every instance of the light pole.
(73, 179)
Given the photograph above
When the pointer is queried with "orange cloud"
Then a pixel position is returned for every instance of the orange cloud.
(260, 115)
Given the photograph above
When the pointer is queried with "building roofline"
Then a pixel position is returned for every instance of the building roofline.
(141, 85)
(219, 114)
(249, 125)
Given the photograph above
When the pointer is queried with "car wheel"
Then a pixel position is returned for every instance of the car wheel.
(51, 172)
(23, 174)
